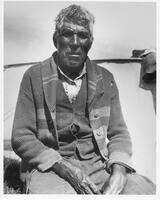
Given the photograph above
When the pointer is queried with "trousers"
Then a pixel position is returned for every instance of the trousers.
(50, 183)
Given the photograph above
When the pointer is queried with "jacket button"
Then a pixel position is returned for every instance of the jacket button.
(96, 116)
(99, 133)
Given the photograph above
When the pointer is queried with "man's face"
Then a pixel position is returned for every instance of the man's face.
(73, 44)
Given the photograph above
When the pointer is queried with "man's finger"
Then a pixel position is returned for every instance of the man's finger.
(92, 186)
(108, 190)
(86, 187)
(115, 187)
(113, 190)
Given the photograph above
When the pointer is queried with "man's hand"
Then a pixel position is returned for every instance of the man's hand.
(117, 180)
(78, 180)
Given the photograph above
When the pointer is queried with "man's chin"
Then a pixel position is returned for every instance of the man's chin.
(74, 64)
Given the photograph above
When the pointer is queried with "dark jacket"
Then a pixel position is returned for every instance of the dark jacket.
(34, 136)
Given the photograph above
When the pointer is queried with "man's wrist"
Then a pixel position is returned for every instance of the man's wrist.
(118, 168)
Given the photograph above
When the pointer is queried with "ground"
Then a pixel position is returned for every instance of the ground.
(12, 183)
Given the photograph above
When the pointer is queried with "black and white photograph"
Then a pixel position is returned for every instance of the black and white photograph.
(79, 82)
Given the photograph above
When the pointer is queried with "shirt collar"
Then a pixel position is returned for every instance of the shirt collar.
(83, 72)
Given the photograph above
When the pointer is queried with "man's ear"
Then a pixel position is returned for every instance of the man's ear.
(55, 35)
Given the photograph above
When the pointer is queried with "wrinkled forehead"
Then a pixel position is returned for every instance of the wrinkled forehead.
(75, 27)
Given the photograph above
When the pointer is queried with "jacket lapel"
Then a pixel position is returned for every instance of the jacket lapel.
(95, 83)
(49, 79)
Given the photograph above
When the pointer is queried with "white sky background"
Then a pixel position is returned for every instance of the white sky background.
(119, 28)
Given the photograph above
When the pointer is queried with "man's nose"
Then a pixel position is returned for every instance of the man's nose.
(75, 40)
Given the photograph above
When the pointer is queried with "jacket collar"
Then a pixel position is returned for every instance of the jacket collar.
(50, 78)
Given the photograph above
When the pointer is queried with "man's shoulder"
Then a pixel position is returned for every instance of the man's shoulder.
(105, 72)
(35, 70)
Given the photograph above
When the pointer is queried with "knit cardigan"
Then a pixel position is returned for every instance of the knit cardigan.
(34, 135)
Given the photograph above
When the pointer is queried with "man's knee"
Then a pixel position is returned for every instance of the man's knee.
(47, 183)
(137, 184)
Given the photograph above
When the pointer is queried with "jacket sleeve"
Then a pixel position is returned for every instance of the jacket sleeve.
(24, 140)
(119, 146)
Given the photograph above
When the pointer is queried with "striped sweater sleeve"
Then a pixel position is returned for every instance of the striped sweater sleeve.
(24, 140)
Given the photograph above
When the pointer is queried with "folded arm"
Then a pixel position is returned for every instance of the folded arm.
(119, 147)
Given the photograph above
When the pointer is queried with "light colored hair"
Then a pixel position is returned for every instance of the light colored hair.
(77, 15)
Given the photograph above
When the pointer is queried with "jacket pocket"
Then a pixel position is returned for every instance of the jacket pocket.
(100, 117)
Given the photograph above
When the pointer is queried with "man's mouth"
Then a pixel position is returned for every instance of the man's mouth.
(74, 57)
(74, 54)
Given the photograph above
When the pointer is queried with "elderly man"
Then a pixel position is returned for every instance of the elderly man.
(68, 127)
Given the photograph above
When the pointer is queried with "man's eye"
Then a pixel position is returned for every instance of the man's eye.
(83, 35)
(67, 33)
